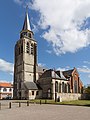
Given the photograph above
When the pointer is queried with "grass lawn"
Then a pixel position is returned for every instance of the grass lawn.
(74, 102)
(43, 101)
(77, 102)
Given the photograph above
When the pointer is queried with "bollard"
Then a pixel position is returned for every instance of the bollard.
(0, 106)
(40, 102)
(45, 101)
(27, 103)
(9, 105)
(19, 104)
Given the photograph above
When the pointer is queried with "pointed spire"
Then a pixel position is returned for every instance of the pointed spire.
(26, 25)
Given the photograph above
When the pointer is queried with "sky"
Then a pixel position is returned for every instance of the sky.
(61, 29)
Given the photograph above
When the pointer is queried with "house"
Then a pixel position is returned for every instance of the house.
(6, 90)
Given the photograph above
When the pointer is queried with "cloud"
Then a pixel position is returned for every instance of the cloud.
(18, 1)
(41, 64)
(84, 69)
(6, 66)
(49, 51)
(64, 23)
(3, 81)
(64, 69)
(61, 69)
(86, 62)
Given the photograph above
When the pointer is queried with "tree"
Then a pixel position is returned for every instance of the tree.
(87, 90)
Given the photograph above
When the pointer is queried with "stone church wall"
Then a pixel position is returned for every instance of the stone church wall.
(68, 96)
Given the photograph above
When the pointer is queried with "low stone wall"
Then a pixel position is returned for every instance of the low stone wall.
(68, 96)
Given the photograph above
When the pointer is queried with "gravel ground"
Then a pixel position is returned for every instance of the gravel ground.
(46, 112)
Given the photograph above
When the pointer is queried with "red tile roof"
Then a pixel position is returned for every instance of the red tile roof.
(4, 84)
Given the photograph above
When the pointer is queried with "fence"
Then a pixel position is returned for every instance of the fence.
(18, 104)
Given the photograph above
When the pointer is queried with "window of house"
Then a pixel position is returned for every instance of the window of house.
(32, 49)
(4, 89)
(32, 92)
(27, 47)
(10, 89)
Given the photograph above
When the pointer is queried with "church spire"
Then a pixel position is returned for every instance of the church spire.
(26, 30)
(26, 25)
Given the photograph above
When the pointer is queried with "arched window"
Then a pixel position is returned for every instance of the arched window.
(32, 49)
(59, 87)
(75, 86)
(56, 86)
(68, 85)
(27, 47)
(29, 35)
(25, 34)
(63, 88)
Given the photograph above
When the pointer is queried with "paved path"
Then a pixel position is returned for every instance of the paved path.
(46, 112)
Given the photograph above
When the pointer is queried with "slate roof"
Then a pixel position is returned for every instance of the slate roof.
(30, 85)
(68, 73)
(26, 25)
(60, 74)
(53, 74)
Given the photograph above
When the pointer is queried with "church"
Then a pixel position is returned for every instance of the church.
(32, 81)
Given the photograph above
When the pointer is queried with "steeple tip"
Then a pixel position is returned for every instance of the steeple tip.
(26, 25)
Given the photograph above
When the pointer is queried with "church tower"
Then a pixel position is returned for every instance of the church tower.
(25, 62)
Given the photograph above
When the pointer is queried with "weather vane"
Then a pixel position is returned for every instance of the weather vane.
(26, 8)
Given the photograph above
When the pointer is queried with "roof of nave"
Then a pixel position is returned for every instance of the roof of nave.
(68, 72)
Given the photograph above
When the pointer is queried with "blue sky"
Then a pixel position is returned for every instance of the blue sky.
(62, 33)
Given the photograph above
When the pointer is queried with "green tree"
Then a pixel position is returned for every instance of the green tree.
(87, 89)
